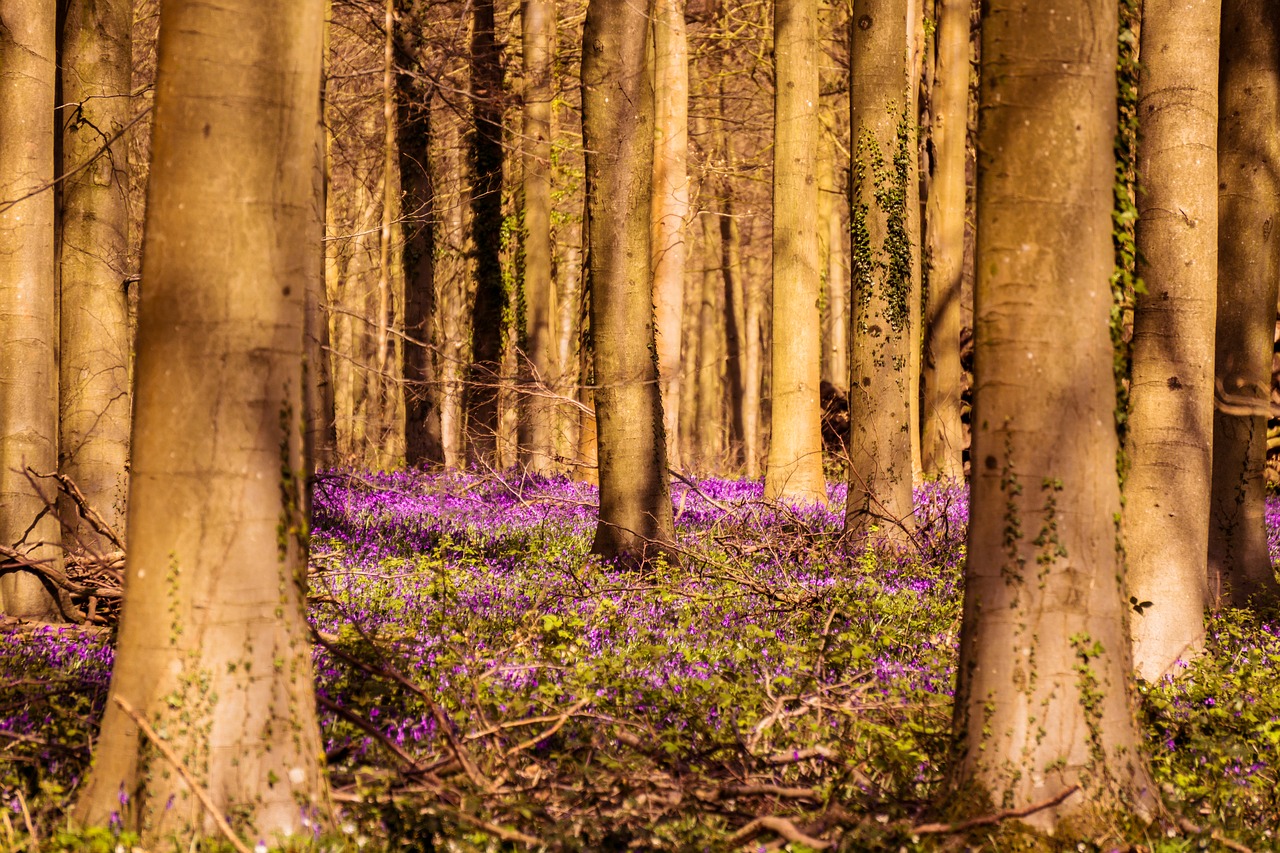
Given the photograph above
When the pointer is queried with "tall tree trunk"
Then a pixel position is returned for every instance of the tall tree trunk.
(96, 63)
(709, 423)
(884, 266)
(670, 205)
(942, 442)
(1043, 692)
(381, 386)
(539, 362)
(617, 122)
(321, 414)
(734, 319)
(452, 274)
(28, 318)
(568, 336)
(423, 444)
(835, 330)
(214, 649)
(1248, 268)
(1169, 440)
(794, 469)
(752, 363)
(489, 308)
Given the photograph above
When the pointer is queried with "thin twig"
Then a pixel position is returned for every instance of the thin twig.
(987, 820)
(779, 825)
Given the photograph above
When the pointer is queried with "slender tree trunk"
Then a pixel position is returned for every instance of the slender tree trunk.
(568, 336)
(794, 470)
(617, 108)
(884, 266)
(28, 318)
(452, 274)
(751, 374)
(942, 442)
(709, 429)
(214, 649)
(538, 366)
(490, 303)
(321, 417)
(1248, 268)
(835, 331)
(1169, 442)
(670, 205)
(1043, 692)
(96, 63)
(381, 386)
(734, 320)
(423, 444)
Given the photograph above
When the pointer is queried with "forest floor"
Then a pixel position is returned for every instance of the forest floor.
(484, 684)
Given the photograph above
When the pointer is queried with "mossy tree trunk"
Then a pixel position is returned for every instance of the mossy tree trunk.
(942, 440)
(214, 649)
(1043, 693)
(670, 205)
(28, 317)
(617, 103)
(1169, 443)
(794, 469)
(884, 266)
(1248, 268)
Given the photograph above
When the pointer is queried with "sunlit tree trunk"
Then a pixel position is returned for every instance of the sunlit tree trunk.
(794, 469)
(617, 106)
(490, 305)
(28, 318)
(709, 423)
(1043, 692)
(1170, 427)
(214, 650)
(884, 266)
(321, 409)
(942, 439)
(670, 205)
(835, 329)
(538, 363)
(422, 440)
(1248, 269)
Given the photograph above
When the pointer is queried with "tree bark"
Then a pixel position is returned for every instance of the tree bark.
(942, 441)
(538, 362)
(1248, 268)
(423, 444)
(835, 331)
(28, 317)
(617, 106)
(794, 469)
(670, 205)
(1043, 690)
(709, 432)
(1170, 427)
(490, 303)
(321, 417)
(884, 267)
(214, 648)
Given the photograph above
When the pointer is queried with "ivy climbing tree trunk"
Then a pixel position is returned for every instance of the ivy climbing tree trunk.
(794, 468)
(28, 318)
(1043, 693)
(884, 266)
(942, 440)
(670, 205)
(1248, 268)
(1170, 426)
(214, 649)
(490, 304)
(636, 521)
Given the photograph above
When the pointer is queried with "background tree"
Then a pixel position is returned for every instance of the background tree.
(1170, 425)
(884, 265)
(1042, 696)
(795, 446)
(617, 122)
(28, 318)
(1248, 269)
(213, 648)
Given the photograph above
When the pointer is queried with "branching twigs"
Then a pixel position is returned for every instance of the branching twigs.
(1187, 826)
(780, 826)
(988, 820)
(201, 794)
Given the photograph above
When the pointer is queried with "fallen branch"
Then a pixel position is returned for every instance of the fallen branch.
(780, 826)
(988, 820)
(201, 794)
(1187, 826)
(501, 832)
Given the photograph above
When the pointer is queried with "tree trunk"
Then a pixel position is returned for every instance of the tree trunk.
(28, 317)
(214, 649)
(1043, 692)
(942, 442)
(1248, 268)
(617, 108)
(884, 266)
(670, 205)
(96, 62)
(423, 444)
(538, 362)
(490, 303)
(734, 319)
(709, 423)
(835, 331)
(1170, 427)
(794, 470)
(321, 409)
